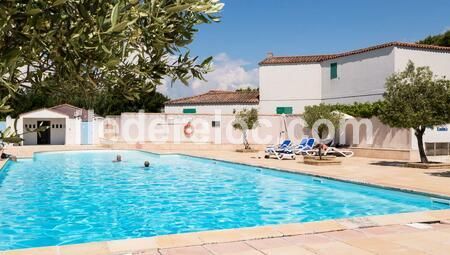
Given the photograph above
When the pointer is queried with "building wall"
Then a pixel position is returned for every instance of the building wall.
(209, 109)
(361, 77)
(289, 86)
(439, 62)
(57, 134)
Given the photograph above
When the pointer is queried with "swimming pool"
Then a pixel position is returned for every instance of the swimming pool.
(75, 197)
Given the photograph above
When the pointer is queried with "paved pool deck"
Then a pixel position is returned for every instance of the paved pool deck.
(411, 233)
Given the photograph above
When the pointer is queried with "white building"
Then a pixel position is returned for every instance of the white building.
(288, 84)
(66, 125)
(223, 102)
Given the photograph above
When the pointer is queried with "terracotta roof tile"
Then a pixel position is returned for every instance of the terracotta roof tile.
(295, 59)
(320, 58)
(71, 111)
(215, 97)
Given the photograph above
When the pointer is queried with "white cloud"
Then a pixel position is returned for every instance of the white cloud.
(228, 74)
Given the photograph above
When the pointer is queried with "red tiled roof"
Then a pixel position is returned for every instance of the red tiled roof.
(71, 111)
(219, 97)
(295, 59)
(320, 58)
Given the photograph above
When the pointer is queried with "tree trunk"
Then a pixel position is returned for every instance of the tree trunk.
(320, 151)
(419, 135)
(244, 137)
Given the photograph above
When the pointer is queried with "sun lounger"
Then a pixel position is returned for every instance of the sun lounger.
(303, 149)
(281, 151)
(302, 143)
(331, 151)
(286, 153)
(337, 152)
(286, 143)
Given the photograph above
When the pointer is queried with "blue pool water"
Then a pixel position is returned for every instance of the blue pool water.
(76, 197)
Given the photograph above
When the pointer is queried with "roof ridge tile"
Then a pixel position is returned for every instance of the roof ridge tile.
(276, 60)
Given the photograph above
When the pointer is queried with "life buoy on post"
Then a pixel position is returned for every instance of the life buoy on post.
(188, 130)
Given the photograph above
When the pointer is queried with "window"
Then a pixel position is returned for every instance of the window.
(60, 126)
(333, 71)
(215, 123)
(189, 110)
(53, 125)
(284, 110)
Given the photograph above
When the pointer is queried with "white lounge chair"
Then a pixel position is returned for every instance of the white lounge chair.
(331, 151)
(337, 152)
(280, 154)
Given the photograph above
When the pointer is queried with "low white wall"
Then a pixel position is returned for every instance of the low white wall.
(169, 128)
(73, 132)
(372, 133)
(98, 130)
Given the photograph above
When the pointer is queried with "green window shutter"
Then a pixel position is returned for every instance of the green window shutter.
(284, 110)
(189, 110)
(333, 71)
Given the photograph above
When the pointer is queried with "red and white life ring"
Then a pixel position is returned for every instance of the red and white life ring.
(188, 130)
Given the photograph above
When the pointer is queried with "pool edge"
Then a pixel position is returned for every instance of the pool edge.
(126, 246)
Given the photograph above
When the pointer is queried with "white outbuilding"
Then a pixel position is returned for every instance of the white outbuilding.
(66, 125)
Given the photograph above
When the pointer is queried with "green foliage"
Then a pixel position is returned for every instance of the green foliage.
(416, 99)
(359, 110)
(246, 120)
(315, 113)
(440, 40)
(108, 102)
(77, 48)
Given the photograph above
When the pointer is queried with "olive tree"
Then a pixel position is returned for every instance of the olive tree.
(315, 117)
(416, 99)
(75, 48)
(246, 120)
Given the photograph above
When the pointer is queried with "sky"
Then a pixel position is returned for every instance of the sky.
(249, 29)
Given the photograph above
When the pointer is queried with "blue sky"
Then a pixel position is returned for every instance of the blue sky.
(251, 28)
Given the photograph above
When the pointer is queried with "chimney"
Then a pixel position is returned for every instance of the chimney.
(269, 54)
